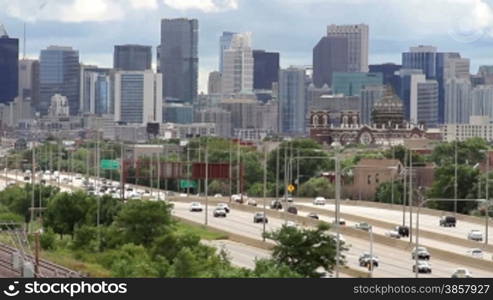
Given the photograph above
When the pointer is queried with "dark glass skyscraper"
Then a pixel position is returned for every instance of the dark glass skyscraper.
(179, 59)
(9, 67)
(388, 72)
(265, 69)
(132, 57)
(329, 55)
(59, 74)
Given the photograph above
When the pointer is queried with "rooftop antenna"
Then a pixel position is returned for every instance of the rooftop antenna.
(24, 46)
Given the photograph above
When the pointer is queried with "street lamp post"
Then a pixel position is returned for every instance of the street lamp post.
(265, 190)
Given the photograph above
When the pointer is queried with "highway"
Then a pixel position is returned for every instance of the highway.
(393, 262)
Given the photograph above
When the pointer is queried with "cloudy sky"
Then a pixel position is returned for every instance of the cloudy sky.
(291, 27)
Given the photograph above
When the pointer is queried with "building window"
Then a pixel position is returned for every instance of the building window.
(377, 180)
(369, 179)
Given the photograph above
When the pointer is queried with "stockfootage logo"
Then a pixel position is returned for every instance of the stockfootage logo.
(11, 290)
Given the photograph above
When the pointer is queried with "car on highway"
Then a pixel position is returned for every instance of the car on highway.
(27, 178)
(423, 267)
(342, 222)
(461, 273)
(292, 210)
(276, 204)
(252, 202)
(288, 198)
(319, 201)
(291, 224)
(219, 212)
(218, 196)
(363, 226)
(475, 252)
(393, 234)
(224, 206)
(341, 237)
(182, 195)
(239, 198)
(313, 216)
(195, 207)
(260, 217)
(448, 221)
(365, 259)
(475, 235)
(422, 253)
(402, 230)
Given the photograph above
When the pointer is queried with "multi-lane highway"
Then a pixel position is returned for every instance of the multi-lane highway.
(394, 262)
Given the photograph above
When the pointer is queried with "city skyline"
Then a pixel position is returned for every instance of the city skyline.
(386, 42)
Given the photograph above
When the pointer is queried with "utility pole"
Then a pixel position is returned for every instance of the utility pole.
(36, 253)
(230, 169)
(487, 196)
(285, 184)
(206, 187)
(392, 182)
(338, 198)
(188, 170)
(158, 177)
(404, 194)
(122, 182)
(33, 179)
(455, 177)
(411, 175)
(265, 190)
(277, 172)
(238, 166)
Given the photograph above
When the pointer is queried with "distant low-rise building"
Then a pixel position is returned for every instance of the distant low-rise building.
(478, 126)
(370, 173)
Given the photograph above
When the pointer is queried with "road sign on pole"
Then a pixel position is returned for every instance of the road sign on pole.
(188, 184)
(107, 164)
(291, 188)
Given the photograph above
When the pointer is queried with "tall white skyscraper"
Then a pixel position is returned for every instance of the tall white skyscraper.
(292, 100)
(427, 103)
(457, 100)
(482, 101)
(237, 77)
(358, 44)
(224, 43)
(138, 96)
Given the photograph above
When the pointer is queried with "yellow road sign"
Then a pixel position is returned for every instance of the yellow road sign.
(291, 188)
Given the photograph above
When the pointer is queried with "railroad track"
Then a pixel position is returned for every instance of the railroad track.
(46, 269)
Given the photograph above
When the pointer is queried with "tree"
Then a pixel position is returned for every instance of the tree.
(309, 167)
(443, 187)
(140, 222)
(304, 251)
(269, 268)
(468, 152)
(399, 152)
(384, 192)
(315, 187)
(67, 211)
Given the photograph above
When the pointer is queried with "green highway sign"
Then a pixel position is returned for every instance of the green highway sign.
(107, 164)
(188, 184)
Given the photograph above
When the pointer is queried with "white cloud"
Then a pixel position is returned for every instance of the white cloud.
(203, 5)
(144, 4)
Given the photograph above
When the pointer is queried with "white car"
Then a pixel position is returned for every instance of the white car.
(423, 267)
(393, 234)
(319, 201)
(224, 206)
(291, 224)
(475, 235)
(476, 252)
(195, 206)
(218, 196)
(183, 195)
(462, 273)
(219, 212)
(341, 237)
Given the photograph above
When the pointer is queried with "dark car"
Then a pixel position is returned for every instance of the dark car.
(402, 230)
(275, 204)
(27, 178)
(313, 216)
(448, 221)
(292, 210)
(259, 218)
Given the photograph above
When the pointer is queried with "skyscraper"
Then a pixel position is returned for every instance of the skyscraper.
(457, 100)
(224, 43)
(350, 84)
(29, 80)
(369, 96)
(329, 55)
(423, 58)
(358, 44)
(265, 69)
(179, 59)
(237, 76)
(292, 100)
(427, 103)
(388, 71)
(9, 66)
(138, 97)
(481, 101)
(408, 92)
(214, 83)
(95, 90)
(59, 74)
(132, 57)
